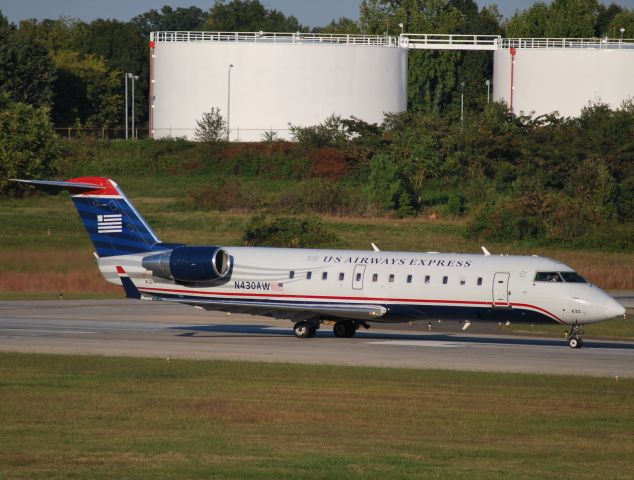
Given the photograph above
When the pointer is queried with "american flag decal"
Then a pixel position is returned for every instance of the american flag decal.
(109, 223)
(277, 287)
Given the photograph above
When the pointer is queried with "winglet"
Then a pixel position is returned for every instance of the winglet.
(484, 249)
(128, 286)
(374, 247)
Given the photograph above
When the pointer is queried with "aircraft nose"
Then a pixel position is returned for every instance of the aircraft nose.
(613, 309)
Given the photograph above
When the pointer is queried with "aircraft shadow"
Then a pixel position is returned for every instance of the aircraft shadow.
(261, 330)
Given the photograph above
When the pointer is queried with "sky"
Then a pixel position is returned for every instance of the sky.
(312, 13)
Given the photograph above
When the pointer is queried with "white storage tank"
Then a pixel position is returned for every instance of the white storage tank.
(276, 79)
(563, 75)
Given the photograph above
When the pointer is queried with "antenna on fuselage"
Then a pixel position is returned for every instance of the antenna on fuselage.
(484, 249)
(374, 247)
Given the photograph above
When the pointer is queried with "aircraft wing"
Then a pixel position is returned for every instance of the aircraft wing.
(286, 310)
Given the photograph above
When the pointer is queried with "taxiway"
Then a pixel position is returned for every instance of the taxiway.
(132, 328)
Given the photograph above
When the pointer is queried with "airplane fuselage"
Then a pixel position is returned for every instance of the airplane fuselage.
(408, 285)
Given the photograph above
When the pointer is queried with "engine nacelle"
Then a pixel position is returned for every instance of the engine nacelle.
(190, 264)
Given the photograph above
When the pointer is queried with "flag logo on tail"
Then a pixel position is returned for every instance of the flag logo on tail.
(109, 223)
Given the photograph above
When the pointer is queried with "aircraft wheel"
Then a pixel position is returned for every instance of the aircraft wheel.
(302, 330)
(345, 329)
(312, 331)
(574, 342)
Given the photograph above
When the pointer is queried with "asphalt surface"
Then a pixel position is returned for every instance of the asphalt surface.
(135, 328)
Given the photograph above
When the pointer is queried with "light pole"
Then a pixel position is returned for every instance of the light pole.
(462, 102)
(622, 30)
(488, 84)
(229, 100)
(125, 78)
(402, 28)
(133, 78)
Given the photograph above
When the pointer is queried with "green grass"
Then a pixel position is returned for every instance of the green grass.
(97, 417)
(621, 329)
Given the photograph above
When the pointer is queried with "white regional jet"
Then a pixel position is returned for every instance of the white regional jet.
(348, 287)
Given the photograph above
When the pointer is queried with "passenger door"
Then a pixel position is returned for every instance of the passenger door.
(501, 290)
(357, 277)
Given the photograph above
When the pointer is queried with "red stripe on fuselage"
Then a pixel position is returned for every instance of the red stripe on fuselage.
(365, 299)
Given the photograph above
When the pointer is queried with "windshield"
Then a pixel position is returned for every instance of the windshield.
(568, 277)
(573, 277)
(548, 277)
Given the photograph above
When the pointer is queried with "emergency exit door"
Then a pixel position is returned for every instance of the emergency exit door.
(357, 277)
(501, 290)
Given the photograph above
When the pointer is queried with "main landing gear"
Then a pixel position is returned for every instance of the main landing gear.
(342, 329)
(347, 329)
(305, 329)
(574, 338)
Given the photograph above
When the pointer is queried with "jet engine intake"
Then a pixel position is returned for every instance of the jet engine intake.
(190, 264)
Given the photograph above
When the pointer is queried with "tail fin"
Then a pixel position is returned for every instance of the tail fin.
(114, 225)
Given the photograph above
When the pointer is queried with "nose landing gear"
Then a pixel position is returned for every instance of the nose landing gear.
(574, 338)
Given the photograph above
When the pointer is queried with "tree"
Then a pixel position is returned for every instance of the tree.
(170, 19)
(383, 185)
(211, 127)
(562, 18)
(124, 47)
(342, 26)
(249, 16)
(26, 71)
(86, 91)
(28, 144)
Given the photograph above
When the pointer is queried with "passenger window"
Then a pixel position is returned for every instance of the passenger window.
(427, 279)
(462, 281)
(291, 274)
(375, 277)
(479, 281)
(324, 275)
(445, 280)
(391, 278)
(309, 275)
(358, 277)
(548, 277)
(341, 277)
(409, 279)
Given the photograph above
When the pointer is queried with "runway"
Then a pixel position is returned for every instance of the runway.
(148, 329)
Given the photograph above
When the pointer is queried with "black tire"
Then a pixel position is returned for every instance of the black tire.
(312, 331)
(344, 329)
(302, 330)
(573, 342)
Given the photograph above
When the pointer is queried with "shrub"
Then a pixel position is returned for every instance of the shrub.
(319, 196)
(211, 127)
(280, 231)
(225, 194)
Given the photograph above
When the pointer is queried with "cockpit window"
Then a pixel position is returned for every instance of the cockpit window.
(548, 277)
(573, 277)
(568, 277)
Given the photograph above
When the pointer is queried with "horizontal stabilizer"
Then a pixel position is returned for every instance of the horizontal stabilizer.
(57, 186)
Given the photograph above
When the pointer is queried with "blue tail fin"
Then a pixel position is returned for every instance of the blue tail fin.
(114, 225)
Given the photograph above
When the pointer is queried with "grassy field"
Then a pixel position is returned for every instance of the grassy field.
(96, 417)
(44, 235)
(622, 329)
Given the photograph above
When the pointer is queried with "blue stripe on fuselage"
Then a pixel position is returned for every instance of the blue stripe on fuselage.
(400, 312)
